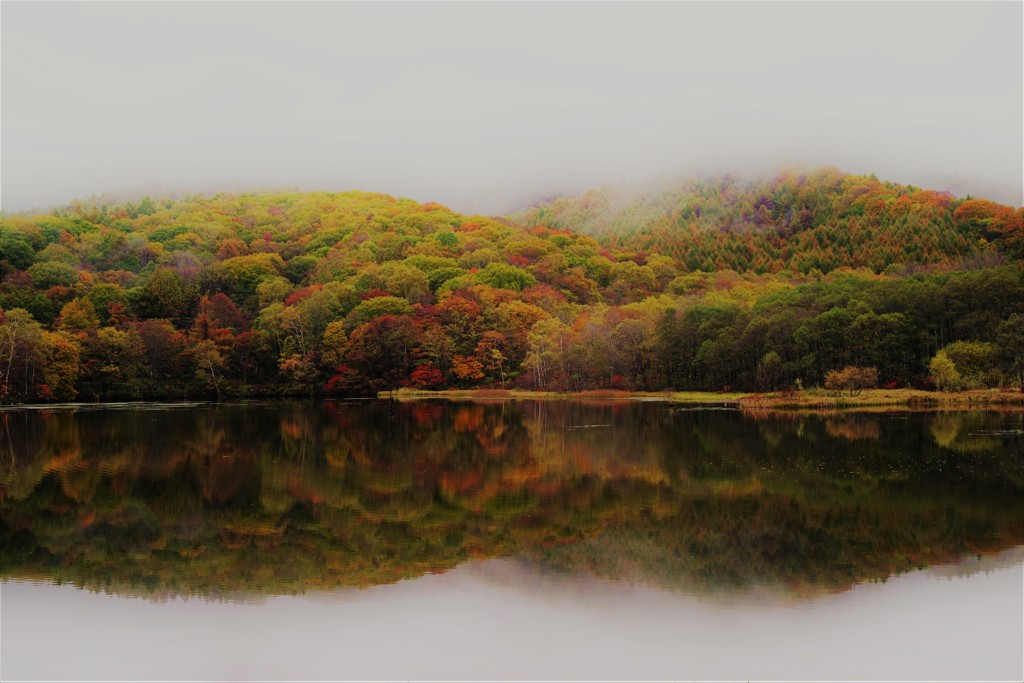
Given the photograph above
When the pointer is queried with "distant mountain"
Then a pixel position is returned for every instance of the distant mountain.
(822, 219)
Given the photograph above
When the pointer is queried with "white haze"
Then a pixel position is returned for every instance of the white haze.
(486, 106)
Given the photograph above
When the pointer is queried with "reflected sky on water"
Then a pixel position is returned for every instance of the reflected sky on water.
(472, 623)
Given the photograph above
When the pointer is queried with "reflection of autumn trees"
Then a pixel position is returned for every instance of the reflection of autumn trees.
(754, 538)
(294, 497)
(853, 427)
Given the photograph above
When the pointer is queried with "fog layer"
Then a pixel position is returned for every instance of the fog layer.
(485, 106)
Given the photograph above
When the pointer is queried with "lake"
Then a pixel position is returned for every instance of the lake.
(562, 540)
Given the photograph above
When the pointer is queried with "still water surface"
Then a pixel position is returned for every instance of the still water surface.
(555, 540)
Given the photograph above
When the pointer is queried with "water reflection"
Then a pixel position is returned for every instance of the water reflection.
(505, 619)
(222, 501)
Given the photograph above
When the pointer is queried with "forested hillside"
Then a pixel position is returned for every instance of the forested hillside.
(822, 220)
(352, 293)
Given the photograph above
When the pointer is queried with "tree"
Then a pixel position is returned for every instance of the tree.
(164, 354)
(116, 363)
(882, 341)
(633, 352)
(944, 372)
(975, 362)
(47, 274)
(16, 251)
(105, 295)
(232, 247)
(631, 281)
(504, 276)
(374, 308)
(823, 342)
(300, 370)
(241, 275)
(460, 318)
(272, 290)
(224, 312)
(769, 371)
(147, 207)
(334, 342)
(407, 282)
(426, 376)
(438, 348)
(209, 343)
(545, 359)
(439, 276)
(381, 353)
(21, 355)
(975, 214)
(489, 353)
(78, 315)
(1010, 340)
(162, 296)
(467, 369)
(514, 321)
(852, 379)
(61, 355)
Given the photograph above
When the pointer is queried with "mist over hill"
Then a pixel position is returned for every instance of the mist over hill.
(797, 220)
(499, 103)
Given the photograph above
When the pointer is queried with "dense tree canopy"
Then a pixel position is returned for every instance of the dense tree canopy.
(711, 285)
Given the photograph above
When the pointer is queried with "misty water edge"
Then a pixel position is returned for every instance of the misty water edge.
(529, 539)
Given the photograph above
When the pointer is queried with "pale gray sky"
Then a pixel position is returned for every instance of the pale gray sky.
(483, 106)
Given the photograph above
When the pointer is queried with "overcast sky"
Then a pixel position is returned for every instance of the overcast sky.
(485, 106)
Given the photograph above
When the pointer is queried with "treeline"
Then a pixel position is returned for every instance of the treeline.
(353, 293)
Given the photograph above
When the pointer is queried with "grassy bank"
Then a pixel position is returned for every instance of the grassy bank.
(523, 394)
(819, 399)
(811, 399)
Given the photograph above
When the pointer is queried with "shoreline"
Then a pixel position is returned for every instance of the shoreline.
(809, 400)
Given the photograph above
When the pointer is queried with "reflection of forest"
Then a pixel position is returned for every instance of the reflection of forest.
(293, 497)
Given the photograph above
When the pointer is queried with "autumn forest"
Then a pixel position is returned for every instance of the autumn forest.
(711, 284)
